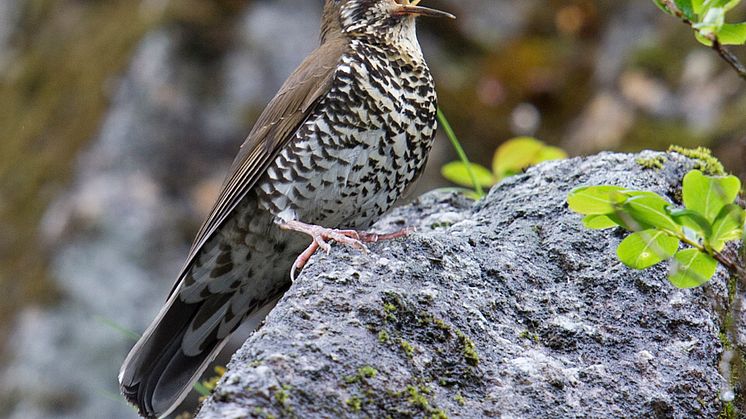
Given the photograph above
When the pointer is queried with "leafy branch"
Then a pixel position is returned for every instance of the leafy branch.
(709, 221)
(707, 19)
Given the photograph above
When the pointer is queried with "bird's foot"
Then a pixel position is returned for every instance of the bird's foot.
(321, 236)
(374, 238)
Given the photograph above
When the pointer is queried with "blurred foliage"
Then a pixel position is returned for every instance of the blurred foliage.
(206, 387)
(53, 98)
(555, 66)
(511, 158)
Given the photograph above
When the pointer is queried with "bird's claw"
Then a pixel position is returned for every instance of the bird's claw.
(320, 240)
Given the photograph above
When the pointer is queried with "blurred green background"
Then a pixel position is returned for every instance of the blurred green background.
(118, 119)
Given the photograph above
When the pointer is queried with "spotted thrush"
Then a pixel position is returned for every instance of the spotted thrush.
(341, 141)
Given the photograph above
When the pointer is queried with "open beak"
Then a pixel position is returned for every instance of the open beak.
(411, 10)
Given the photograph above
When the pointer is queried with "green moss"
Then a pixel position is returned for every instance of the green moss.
(453, 355)
(723, 337)
(707, 163)
(728, 412)
(282, 395)
(653, 163)
(526, 334)
(389, 309)
(441, 325)
(439, 414)
(459, 399)
(416, 398)
(260, 412)
(363, 373)
(470, 350)
(368, 371)
(407, 347)
(354, 403)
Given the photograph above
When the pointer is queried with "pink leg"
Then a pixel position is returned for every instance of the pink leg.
(374, 238)
(321, 235)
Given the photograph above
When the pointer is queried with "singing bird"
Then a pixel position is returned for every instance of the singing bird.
(341, 141)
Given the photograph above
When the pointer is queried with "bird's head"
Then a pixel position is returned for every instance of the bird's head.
(382, 20)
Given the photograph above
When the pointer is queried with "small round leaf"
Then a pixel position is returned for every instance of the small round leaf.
(707, 195)
(646, 248)
(458, 173)
(599, 222)
(595, 200)
(691, 268)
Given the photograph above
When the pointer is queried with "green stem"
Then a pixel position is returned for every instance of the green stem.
(732, 266)
(460, 151)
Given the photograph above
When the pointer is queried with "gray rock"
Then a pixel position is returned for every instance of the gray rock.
(503, 308)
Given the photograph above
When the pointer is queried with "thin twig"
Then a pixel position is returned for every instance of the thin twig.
(722, 51)
(729, 57)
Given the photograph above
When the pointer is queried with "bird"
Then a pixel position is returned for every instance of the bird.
(345, 137)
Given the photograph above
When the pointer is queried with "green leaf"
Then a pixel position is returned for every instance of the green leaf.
(703, 39)
(458, 173)
(625, 221)
(691, 268)
(518, 154)
(661, 6)
(707, 195)
(599, 222)
(728, 226)
(686, 8)
(548, 153)
(732, 34)
(712, 21)
(724, 4)
(596, 200)
(651, 209)
(693, 221)
(515, 155)
(646, 248)
(697, 6)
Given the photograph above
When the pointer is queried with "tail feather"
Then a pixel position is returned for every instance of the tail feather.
(158, 374)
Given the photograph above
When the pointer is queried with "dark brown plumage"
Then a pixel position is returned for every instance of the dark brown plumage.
(340, 142)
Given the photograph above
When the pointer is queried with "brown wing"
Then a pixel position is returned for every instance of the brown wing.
(291, 106)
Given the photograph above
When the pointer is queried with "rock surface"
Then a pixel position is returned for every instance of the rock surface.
(503, 308)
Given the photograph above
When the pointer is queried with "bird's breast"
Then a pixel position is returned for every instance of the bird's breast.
(364, 143)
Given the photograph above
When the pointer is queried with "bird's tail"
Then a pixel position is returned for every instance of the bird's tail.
(160, 369)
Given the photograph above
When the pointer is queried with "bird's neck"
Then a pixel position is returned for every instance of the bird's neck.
(400, 42)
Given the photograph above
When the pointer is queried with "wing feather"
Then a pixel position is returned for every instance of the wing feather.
(292, 105)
